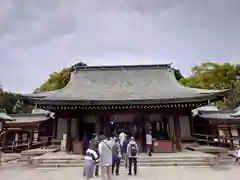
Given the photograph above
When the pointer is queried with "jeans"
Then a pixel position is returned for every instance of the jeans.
(149, 149)
(134, 162)
(125, 158)
(116, 165)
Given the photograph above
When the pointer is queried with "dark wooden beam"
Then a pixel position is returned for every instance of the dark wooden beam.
(30, 139)
(231, 136)
(119, 107)
(69, 139)
(191, 124)
(177, 132)
(4, 138)
(238, 130)
(55, 127)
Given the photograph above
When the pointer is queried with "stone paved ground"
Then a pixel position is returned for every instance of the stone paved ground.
(16, 172)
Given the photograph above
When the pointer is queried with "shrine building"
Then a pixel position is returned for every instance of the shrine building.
(134, 99)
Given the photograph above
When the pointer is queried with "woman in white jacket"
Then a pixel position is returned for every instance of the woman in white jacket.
(105, 152)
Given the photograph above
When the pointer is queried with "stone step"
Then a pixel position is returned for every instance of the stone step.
(139, 158)
(61, 161)
(122, 165)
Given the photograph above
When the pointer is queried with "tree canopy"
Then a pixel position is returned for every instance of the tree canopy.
(216, 76)
(10, 102)
(207, 75)
(58, 80)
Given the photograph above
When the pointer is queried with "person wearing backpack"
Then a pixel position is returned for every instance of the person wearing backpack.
(132, 151)
(116, 153)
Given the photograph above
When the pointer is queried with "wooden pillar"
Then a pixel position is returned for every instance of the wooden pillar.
(98, 126)
(238, 131)
(230, 135)
(30, 139)
(191, 124)
(4, 139)
(78, 129)
(106, 125)
(55, 128)
(68, 143)
(177, 132)
(218, 136)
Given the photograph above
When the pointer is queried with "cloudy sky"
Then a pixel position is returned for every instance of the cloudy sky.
(40, 37)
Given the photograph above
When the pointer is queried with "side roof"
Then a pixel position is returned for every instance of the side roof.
(220, 114)
(121, 84)
(28, 118)
(4, 116)
(208, 107)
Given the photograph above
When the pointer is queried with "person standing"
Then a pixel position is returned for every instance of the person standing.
(124, 151)
(93, 144)
(132, 151)
(237, 154)
(116, 153)
(90, 159)
(105, 152)
(149, 143)
(122, 137)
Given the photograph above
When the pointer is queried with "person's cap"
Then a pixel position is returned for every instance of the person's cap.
(132, 138)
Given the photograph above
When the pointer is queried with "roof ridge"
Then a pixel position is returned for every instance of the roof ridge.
(120, 67)
(218, 111)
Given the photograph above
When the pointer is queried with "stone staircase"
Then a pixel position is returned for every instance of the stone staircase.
(225, 159)
(170, 159)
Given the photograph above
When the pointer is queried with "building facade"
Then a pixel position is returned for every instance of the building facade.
(134, 99)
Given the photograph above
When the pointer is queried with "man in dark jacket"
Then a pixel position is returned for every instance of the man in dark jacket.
(132, 151)
(116, 156)
(93, 144)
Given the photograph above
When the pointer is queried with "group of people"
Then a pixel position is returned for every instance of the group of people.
(106, 154)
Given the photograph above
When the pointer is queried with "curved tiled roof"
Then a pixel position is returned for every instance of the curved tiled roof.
(127, 83)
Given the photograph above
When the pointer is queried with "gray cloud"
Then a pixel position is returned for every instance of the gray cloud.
(39, 37)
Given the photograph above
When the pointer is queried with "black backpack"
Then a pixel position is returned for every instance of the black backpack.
(133, 150)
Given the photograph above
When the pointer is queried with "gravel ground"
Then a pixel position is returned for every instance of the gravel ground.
(17, 171)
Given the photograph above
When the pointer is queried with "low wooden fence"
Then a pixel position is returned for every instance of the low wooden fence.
(215, 140)
(20, 145)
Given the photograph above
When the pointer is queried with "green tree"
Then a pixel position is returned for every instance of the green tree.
(10, 102)
(216, 76)
(7, 101)
(58, 80)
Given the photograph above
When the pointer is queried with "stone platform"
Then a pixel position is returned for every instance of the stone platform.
(6, 157)
(186, 158)
(208, 149)
(28, 154)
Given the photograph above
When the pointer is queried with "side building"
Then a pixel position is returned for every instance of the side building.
(134, 99)
(25, 131)
(222, 125)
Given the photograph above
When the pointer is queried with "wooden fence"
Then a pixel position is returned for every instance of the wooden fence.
(224, 141)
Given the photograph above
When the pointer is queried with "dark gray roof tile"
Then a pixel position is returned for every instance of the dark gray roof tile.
(125, 83)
